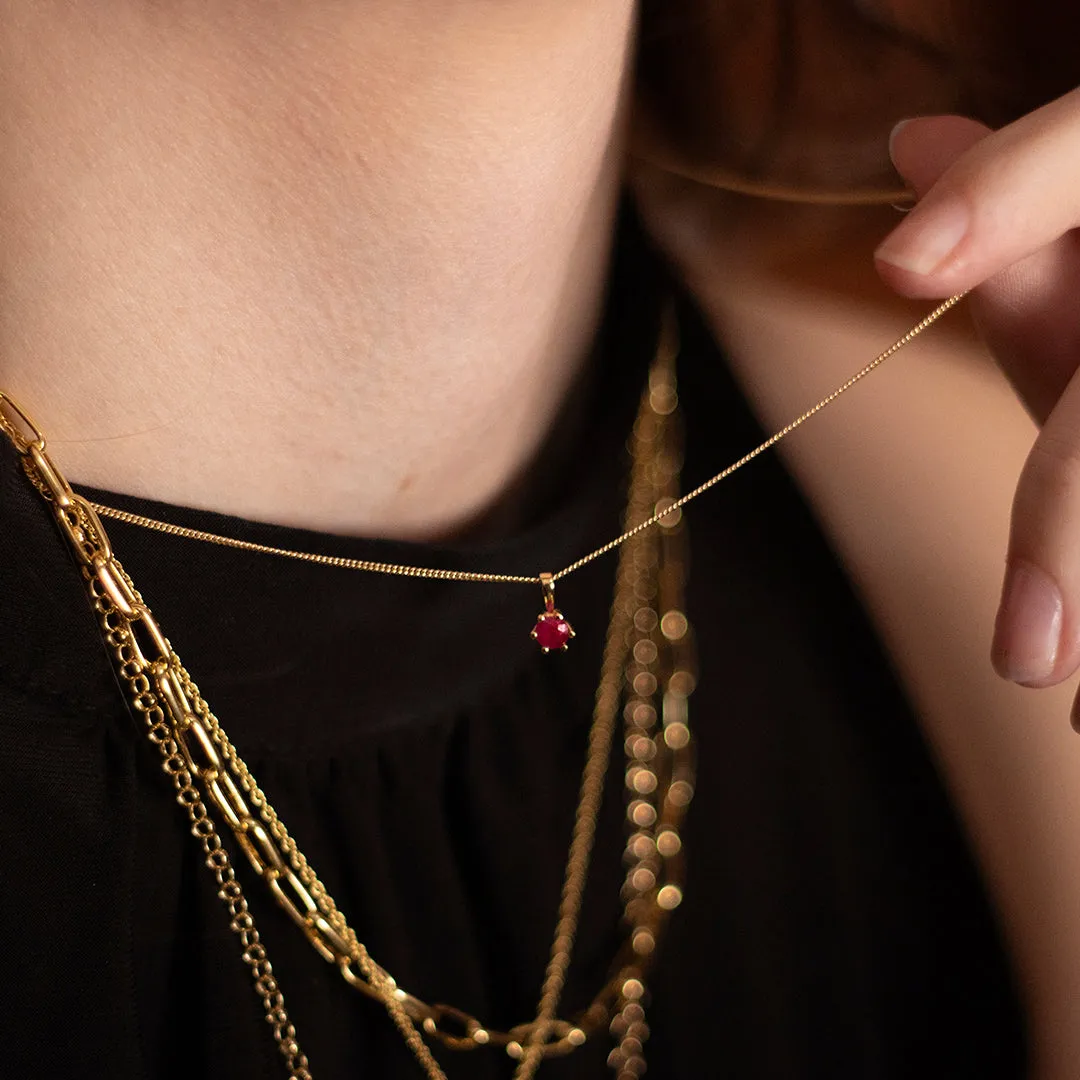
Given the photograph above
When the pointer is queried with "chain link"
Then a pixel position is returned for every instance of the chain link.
(17, 425)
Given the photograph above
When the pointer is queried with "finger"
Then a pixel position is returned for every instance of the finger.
(1029, 317)
(1037, 635)
(1027, 312)
(1003, 198)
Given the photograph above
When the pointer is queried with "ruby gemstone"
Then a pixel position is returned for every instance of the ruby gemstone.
(552, 631)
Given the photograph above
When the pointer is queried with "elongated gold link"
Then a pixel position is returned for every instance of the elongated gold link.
(513, 579)
(232, 896)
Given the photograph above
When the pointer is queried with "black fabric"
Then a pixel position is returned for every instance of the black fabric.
(427, 757)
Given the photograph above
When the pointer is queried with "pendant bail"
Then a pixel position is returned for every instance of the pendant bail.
(551, 631)
(547, 583)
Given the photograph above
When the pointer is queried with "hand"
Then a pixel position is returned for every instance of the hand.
(1000, 212)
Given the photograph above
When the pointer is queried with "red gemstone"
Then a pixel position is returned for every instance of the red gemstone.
(552, 631)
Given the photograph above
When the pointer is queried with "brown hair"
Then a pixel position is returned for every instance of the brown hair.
(806, 91)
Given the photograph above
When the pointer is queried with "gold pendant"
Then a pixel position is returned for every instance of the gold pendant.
(551, 631)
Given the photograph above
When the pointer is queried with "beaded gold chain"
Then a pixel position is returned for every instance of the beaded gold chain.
(647, 658)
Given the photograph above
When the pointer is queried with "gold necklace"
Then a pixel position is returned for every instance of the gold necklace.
(551, 629)
(204, 766)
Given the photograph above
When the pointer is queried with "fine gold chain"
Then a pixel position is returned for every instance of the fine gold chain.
(648, 654)
(308, 556)
(668, 347)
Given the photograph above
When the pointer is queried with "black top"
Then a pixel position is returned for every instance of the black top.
(426, 757)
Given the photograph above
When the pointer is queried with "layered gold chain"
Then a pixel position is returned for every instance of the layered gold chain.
(647, 662)
(647, 667)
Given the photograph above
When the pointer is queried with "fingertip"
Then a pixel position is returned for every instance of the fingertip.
(914, 255)
(914, 286)
(897, 128)
(1028, 630)
(923, 148)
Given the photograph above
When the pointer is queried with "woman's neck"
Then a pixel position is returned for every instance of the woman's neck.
(329, 265)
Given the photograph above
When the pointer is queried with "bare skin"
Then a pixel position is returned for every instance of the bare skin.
(322, 264)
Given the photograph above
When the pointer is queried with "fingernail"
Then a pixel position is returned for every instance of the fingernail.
(1028, 631)
(897, 128)
(926, 237)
